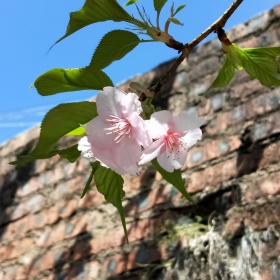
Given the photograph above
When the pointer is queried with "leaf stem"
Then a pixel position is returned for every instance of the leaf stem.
(188, 47)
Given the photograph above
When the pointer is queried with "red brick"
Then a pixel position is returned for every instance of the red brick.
(212, 175)
(211, 150)
(15, 249)
(67, 188)
(266, 187)
(52, 258)
(32, 185)
(92, 198)
(276, 10)
(115, 265)
(243, 90)
(270, 155)
(264, 275)
(257, 106)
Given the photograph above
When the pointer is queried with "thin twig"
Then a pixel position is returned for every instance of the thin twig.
(219, 23)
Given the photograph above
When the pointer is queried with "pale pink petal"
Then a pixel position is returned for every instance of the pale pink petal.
(174, 159)
(186, 121)
(140, 133)
(130, 104)
(85, 147)
(192, 136)
(127, 156)
(159, 124)
(151, 152)
(107, 102)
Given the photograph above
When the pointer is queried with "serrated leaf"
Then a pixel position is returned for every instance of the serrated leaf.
(272, 51)
(130, 2)
(78, 131)
(174, 178)
(63, 80)
(225, 75)
(71, 153)
(57, 123)
(110, 184)
(179, 9)
(158, 4)
(94, 167)
(113, 46)
(175, 21)
(262, 65)
(97, 11)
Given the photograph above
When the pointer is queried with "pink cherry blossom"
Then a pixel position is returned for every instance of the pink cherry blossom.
(173, 136)
(85, 148)
(118, 133)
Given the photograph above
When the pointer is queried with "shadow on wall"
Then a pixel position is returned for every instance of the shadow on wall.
(13, 181)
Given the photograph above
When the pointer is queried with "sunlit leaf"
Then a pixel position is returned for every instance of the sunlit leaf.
(78, 131)
(97, 11)
(225, 75)
(113, 46)
(63, 80)
(175, 21)
(110, 184)
(262, 65)
(179, 9)
(130, 2)
(158, 4)
(57, 123)
(174, 178)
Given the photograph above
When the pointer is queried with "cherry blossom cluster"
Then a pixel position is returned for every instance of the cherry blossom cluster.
(120, 139)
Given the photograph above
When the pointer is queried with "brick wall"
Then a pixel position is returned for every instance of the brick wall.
(48, 232)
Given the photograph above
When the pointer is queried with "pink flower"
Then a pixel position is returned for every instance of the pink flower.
(118, 133)
(173, 136)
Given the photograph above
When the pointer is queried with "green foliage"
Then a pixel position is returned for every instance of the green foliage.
(63, 80)
(175, 21)
(78, 131)
(179, 9)
(110, 184)
(148, 108)
(58, 122)
(259, 63)
(113, 46)
(158, 4)
(94, 167)
(130, 2)
(174, 178)
(97, 11)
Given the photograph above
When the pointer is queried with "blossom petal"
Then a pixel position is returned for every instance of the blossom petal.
(174, 159)
(127, 156)
(151, 152)
(192, 136)
(159, 124)
(107, 102)
(186, 121)
(85, 147)
(130, 104)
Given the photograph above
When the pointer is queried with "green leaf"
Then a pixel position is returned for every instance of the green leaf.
(262, 65)
(225, 75)
(113, 46)
(57, 123)
(179, 9)
(158, 4)
(130, 2)
(97, 11)
(148, 108)
(175, 21)
(63, 80)
(71, 153)
(94, 167)
(174, 178)
(78, 131)
(110, 184)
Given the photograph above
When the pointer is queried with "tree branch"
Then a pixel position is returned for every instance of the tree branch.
(187, 48)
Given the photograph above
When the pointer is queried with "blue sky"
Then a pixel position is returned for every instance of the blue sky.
(28, 29)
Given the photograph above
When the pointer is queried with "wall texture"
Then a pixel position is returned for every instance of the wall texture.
(233, 232)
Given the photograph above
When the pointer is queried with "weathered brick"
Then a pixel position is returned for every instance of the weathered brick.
(212, 150)
(263, 188)
(212, 175)
(15, 249)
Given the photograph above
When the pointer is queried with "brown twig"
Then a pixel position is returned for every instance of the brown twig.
(187, 48)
